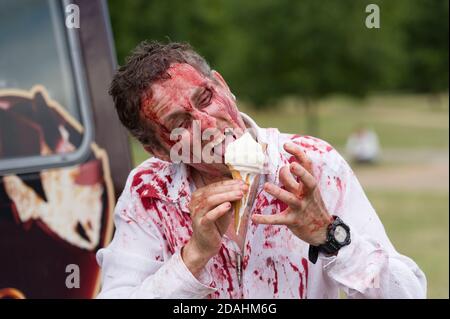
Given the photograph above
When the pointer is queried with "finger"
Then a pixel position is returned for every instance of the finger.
(306, 178)
(213, 215)
(277, 219)
(283, 195)
(224, 183)
(238, 186)
(288, 180)
(217, 199)
(300, 156)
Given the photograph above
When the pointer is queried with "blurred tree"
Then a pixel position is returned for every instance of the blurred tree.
(426, 32)
(199, 22)
(311, 49)
(269, 49)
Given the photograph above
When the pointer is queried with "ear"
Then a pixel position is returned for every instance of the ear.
(219, 78)
(157, 152)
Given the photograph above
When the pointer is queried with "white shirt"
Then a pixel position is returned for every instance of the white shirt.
(153, 223)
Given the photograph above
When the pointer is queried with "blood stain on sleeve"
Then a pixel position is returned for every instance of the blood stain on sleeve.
(161, 184)
(338, 184)
(137, 179)
(147, 191)
(341, 192)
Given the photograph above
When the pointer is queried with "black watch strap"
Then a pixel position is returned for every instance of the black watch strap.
(313, 253)
(330, 247)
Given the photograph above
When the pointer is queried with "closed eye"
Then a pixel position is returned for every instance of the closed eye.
(184, 122)
(179, 119)
(204, 99)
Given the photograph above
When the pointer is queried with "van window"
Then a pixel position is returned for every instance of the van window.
(44, 109)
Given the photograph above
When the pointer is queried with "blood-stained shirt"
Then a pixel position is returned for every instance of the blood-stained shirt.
(153, 223)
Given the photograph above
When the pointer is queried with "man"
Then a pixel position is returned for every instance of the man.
(363, 146)
(311, 230)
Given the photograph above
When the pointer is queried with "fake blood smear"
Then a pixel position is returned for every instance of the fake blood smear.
(311, 147)
(282, 205)
(161, 184)
(271, 263)
(147, 192)
(155, 166)
(137, 179)
(292, 159)
(302, 286)
(305, 268)
(339, 184)
(340, 188)
(225, 267)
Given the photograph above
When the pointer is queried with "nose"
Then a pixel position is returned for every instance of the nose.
(205, 120)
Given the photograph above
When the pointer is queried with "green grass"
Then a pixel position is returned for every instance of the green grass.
(417, 225)
(414, 125)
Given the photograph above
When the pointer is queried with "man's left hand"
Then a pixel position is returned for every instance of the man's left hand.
(306, 215)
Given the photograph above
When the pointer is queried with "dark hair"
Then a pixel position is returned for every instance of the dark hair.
(147, 63)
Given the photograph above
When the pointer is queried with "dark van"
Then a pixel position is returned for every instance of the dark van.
(64, 156)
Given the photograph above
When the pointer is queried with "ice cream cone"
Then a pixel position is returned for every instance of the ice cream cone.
(245, 160)
(239, 206)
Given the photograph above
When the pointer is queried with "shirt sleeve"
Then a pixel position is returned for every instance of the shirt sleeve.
(137, 264)
(369, 267)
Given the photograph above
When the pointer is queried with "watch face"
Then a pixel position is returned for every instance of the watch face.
(340, 234)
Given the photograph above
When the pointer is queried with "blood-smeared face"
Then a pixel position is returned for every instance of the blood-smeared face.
(189, 96)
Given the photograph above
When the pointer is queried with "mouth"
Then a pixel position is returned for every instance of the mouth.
(218, 139)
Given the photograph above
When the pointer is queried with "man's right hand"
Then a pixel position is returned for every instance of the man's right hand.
(211, 213)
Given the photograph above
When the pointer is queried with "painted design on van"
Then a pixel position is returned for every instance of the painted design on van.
(65, 213)
(72, 206)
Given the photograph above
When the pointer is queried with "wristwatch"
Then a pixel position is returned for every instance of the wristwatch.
(338, 236)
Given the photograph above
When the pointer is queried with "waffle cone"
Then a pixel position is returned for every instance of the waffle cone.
(239, 206)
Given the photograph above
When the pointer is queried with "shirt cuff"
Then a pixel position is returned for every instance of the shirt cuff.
(204, 279)
(198, 288)
(357, 266)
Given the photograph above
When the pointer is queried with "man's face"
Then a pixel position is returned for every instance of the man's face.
(189, 96)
